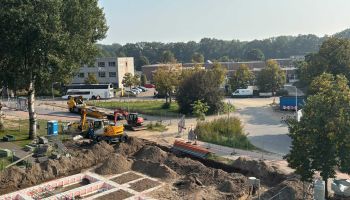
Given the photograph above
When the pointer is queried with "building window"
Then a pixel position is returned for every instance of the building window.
(81, 75)
(126, 64)
(112, 74)
(111, 64)
(101, 64)
(102, 74)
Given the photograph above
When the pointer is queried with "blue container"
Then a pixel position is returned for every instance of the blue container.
(288, 102)
(52, 127)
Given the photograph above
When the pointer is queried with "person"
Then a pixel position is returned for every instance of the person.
(91, 132)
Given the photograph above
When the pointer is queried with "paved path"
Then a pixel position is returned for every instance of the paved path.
(263, 125)
(19, 153)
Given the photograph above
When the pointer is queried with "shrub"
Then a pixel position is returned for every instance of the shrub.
(224, 131)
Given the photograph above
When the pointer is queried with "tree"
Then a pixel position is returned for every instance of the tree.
(136, 80)
(143, 79)
(168, 57)
(143, 60)
(201, 85)
(200, 109)
(242, 78)
(320, 141)
(166, 81)
(254, 54)
(271, 78)
(197, 57)
(128, 80)
(47, 41)
(91, 79)
(333, 57)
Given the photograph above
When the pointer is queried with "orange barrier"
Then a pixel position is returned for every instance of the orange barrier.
(190, 149)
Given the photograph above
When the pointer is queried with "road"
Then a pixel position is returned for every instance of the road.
(263, 125)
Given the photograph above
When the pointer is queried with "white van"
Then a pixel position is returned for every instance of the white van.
(243, 92)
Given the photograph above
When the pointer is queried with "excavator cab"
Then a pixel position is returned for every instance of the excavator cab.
(135, 122)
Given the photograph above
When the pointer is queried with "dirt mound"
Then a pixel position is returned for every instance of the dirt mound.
(260, 169)
(115, 164)
(154, 169)
(14, 178)
(289, 190)
(129, 148)
(228, 187)
(151, 153)
(190, 182)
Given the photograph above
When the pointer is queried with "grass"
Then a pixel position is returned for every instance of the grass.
(144, 107)
(156, 127)
(226, 132)
(20, 128)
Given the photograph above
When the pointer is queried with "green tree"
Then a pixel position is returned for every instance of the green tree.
(91, 79)
(254, 54)
(143, 79)
(320, 141)
(136, 80)
(128, 80)
(271, 78)
(242, 78)
(166, 81)
(200, 109)
(201, 85)
(168, 57)
(197, 57)
(47, 41)
(333, 57)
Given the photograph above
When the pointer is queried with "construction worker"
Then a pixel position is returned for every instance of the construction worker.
(91, 132)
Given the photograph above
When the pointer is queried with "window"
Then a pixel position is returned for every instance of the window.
(101, 64)
(81, 75)
(102, 74)
(112, 74)
(111, 64)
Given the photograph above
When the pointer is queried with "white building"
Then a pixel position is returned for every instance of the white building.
(107, 70)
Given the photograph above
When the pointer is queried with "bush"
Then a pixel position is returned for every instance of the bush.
(166, 105)
(223, 131)
(282, 92)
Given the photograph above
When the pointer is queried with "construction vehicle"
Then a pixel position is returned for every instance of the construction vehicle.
(134, 122)
(76, 105)
(99, 129)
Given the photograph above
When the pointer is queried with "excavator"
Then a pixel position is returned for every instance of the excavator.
(99, 129)
(76, 105)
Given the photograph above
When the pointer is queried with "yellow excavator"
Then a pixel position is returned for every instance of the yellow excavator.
(100, 129)
(76, 105)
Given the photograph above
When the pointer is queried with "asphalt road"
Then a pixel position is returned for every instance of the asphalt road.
(263, 125)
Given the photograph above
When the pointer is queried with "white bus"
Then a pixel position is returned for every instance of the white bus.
(90, 91)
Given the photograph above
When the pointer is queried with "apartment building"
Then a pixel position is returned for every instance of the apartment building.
(107, 70)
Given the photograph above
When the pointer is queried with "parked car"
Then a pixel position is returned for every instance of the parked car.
(138, 89)
(142, 88)
(149, 85)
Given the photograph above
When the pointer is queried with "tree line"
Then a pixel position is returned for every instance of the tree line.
(218, 50)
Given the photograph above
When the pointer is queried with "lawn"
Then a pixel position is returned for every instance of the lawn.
(19, 129)
(144, 107)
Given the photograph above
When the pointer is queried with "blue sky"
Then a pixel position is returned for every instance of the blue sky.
(132, 21)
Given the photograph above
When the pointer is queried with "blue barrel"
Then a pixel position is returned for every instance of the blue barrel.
(52, 127)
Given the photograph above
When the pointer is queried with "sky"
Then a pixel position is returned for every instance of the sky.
(133, 21)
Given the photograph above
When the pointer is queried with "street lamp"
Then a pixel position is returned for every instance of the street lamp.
(53, 95)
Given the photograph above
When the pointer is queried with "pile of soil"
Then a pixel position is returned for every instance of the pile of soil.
(259, 169)
(154, 169)
(115, 164)
(228, 187)
(129, 148)
(15, 178)
(289, 190)
(151, 153)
